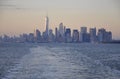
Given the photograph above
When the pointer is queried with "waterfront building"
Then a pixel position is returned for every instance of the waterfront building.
(47, 25)
(61, 29)
(104, 36)
(84, 36)
(51, 36)
(44, 37)
(75, 36)
(37, 35)
(61, 33)
(108, 36)
(56, 34)
(68, 35)
(93, 38)
(31, 37)
(24, 38)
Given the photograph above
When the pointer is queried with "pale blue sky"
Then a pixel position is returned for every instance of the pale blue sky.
(62, 4)
(29, 14)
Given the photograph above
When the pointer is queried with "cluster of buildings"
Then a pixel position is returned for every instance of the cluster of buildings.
(62, 34)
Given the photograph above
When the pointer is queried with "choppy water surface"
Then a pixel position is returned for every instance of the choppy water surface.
(68, 61)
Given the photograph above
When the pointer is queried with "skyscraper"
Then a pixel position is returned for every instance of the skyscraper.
(83, 29)
(47, 25)
(109, 36)
(61, 29)
(31, 37)
(75, 36)
(37, 35)
(51, 36)
(61, 33)
(82, 33)
(101, 35)
(93, 35)
(104, 36)
(68, 35)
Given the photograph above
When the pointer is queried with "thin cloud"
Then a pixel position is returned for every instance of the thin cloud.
(5, 4)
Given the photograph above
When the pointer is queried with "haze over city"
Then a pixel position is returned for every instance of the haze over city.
(23, 16)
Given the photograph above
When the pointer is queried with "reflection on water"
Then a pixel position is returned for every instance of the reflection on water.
(71, 61)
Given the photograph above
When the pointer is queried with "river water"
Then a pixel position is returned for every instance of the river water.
(68, 61)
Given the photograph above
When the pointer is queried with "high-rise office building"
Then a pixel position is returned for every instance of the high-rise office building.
(37, 35)
(56, 34)
(47, 25)
(61, 29)
(101, 35)
(24, 38)
(83, 29)
(93, 35)
(86, 37)
(68, 35)
(75, 36)
(104, 36)
(51, 36)
(64, 30)
(109, 36)
(31, 37)
(83, 32)
(61, 33)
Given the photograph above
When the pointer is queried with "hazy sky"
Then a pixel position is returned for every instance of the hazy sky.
(23, 16)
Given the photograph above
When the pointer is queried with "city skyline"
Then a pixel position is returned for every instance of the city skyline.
(60, 27)
(22, 16)
(63, 34)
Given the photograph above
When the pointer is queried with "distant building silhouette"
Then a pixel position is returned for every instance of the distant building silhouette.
(61, 29)
(51, 36)
(62, 34)
(93, 37)
(44, 37)
(47, 25)
(104, 36)
(31, 37)
(84, 36)
(56, 34)
(24, 38)
(37, 35)
(75, 36)
(68, 35)
(108, 36)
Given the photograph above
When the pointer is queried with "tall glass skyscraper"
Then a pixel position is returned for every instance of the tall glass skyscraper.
(47, 25)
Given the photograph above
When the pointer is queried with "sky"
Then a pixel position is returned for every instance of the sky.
(23, 16)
